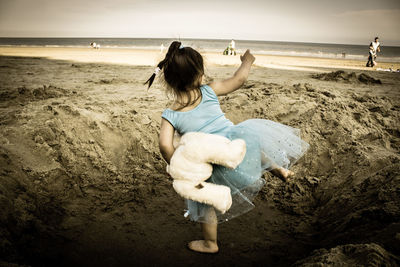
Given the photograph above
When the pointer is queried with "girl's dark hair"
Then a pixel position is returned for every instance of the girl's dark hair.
(182, 68)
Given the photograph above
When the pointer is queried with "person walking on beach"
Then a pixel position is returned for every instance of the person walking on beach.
(270, 146)
(376, 48)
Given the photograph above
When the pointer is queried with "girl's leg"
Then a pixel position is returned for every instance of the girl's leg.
(209, 243)
(282, 173)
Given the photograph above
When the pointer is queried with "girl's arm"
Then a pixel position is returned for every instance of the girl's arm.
(229, 85)
(166, 140)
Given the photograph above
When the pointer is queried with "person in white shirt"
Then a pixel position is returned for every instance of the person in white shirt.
(232, 48)
(376, 46)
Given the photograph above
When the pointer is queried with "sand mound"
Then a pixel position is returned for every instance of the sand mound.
(23, 94)
(351, 255)
(342, 76)
(353, 156)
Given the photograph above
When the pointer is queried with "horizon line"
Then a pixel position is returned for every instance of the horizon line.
(189, 38)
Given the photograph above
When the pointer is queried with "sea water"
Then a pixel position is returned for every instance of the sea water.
(320, 50)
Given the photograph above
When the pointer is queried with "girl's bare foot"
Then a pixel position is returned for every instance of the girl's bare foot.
(204, 246)
(283, 174)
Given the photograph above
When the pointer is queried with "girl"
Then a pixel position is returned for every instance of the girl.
(269, 145)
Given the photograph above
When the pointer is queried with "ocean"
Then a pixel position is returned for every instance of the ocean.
(319, 50)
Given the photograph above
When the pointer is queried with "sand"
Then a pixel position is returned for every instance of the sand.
(139, 57)
(82, 181)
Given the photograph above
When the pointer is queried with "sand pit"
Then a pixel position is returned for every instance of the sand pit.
(83, 183)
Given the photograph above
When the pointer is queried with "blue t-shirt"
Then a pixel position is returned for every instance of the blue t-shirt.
(206, 117)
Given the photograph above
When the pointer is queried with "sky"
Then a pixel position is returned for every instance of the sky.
(321, 21)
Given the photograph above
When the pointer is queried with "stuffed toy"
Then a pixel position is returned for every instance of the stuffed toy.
(191, 165)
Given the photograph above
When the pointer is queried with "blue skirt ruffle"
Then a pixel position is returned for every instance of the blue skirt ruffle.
(269, 145)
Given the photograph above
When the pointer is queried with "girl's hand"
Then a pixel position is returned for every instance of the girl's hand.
(247, 57)
(239, 78)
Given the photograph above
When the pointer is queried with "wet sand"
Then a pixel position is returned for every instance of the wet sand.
(83, 183)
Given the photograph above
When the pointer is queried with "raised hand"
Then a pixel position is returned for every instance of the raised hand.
(247, 57)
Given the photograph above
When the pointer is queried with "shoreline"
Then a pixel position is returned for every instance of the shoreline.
(141, 57)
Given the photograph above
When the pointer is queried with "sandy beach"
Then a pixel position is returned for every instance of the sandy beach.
(82, 181)
(138, 57)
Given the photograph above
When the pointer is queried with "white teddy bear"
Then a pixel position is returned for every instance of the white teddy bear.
(191, 162)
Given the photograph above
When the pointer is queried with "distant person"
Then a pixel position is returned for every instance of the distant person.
(226, 51)
(371, 56)
(162, 47)
(94, 45)
(232, 50)
(377, 48)
(270, 146)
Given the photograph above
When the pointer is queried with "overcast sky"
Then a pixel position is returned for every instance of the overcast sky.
(326, 21)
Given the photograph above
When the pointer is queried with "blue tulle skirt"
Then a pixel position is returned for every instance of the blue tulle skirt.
(269, 145)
